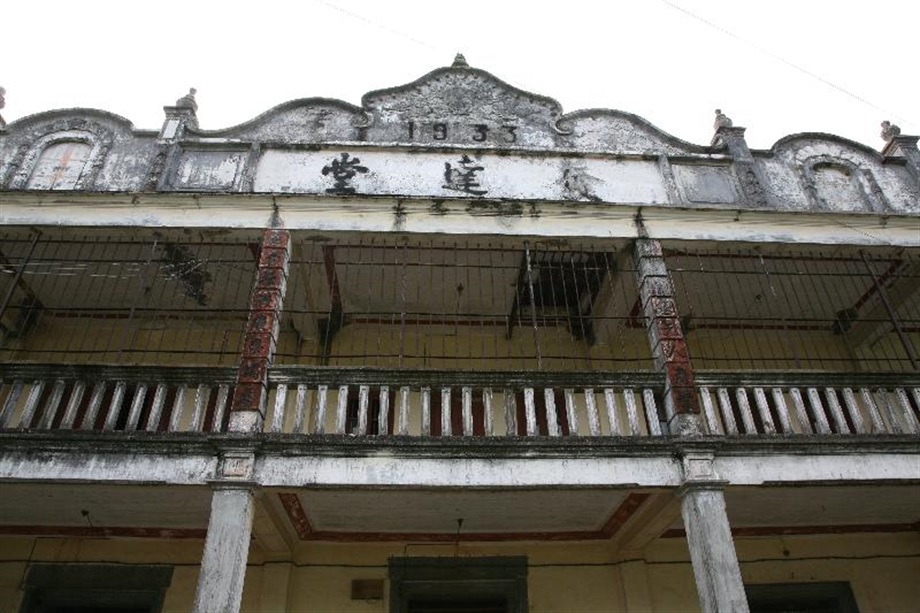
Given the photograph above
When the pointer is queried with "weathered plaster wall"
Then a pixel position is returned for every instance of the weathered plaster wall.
(461, 133)
(587, 577)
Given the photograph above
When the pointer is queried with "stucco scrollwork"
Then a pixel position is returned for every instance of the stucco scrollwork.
(96, 138)
(836, 184)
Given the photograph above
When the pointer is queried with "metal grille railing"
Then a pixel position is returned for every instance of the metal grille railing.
(840, 310)
(139, 297)
(461, 304)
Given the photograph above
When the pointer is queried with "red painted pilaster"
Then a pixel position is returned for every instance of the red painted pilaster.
(669, 348)
(261, 335)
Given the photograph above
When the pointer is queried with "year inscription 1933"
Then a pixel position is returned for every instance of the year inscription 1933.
(476, 132)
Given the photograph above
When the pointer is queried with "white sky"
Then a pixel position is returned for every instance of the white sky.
(648, 58)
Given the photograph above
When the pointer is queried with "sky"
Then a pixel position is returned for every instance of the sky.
(776, 68)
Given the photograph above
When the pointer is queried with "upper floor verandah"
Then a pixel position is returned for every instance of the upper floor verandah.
(398, 335)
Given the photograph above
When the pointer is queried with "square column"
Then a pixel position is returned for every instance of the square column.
(666, 338)
(226, 550)
(712, 550)
(261, 336)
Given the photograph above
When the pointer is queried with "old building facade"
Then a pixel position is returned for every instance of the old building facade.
(455, 350)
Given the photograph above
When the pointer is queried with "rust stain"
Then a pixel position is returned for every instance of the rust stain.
(626, 510)
(297, 515)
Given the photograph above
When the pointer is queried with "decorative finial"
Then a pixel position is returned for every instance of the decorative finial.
(460, 62)
(722, 120)
(889, 131)
(188, 100)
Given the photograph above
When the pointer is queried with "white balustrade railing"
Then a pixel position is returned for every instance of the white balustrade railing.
(126, 399)
(426, 404)
(750, 405)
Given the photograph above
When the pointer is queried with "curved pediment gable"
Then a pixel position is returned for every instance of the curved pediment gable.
(307, 120)
(838, 174)
(805, 144)
(460, 105)
(46, 122)
(62, 149)
(622, 133)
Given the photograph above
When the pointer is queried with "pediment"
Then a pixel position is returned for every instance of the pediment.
(618, 132)
(459, 105)
(308, 120)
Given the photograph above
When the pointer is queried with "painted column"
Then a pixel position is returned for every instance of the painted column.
(226, 550)
(712, 550)
(669, 348)
(261, 337)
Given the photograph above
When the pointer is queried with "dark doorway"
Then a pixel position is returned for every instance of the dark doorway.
(458, 585)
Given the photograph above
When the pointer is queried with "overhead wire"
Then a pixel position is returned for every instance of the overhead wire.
(888, 113)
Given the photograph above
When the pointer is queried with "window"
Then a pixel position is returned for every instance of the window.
(458, 585)
(832, 597)
(103, 588)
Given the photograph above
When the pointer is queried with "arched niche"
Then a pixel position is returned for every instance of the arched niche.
(835, 184)
(68, 156)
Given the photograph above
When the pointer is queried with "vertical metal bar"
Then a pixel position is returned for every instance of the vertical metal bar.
(17, 278)
(895, 320)
(533, 311)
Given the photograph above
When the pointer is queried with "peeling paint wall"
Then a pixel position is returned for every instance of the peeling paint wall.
(458, 133)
